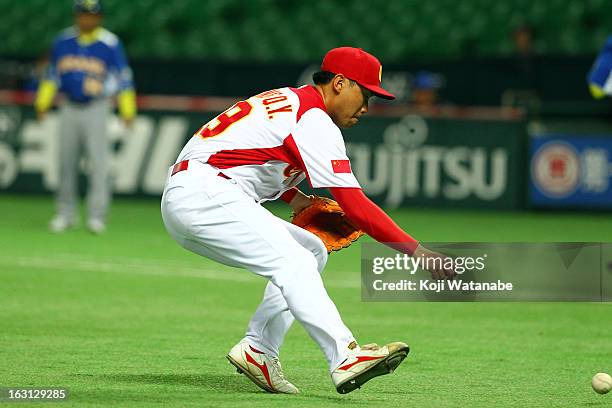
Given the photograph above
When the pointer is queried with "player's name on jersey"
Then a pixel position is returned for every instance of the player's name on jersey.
(71, 63)
(273, 97)
(437, 286)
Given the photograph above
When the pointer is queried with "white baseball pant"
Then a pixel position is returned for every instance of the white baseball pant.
(84, 124)
(213, 217)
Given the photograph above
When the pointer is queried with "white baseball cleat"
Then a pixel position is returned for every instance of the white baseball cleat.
(367, 362)
(265, 371)
(60, 223)
(96, 226)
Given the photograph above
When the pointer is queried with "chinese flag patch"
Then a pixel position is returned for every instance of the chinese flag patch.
(341, 166)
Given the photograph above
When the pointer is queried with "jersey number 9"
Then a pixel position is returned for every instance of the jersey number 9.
(226, 119)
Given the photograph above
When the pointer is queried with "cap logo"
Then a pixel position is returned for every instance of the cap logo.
(380, 74)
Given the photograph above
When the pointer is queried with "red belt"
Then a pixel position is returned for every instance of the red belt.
(184, 165)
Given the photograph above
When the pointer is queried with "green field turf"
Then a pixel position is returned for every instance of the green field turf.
(131, 319)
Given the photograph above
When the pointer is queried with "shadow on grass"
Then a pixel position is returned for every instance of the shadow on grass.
(214, 382)
(227, 383)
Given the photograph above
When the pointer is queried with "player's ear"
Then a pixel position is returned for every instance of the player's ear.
(339, 82)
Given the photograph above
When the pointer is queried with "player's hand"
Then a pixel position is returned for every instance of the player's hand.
(128, 122)
(300, 201)
(41, 115)
(435, 262)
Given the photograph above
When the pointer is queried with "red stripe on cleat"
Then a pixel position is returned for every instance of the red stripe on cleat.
(254, 350)
(262, 367)
(360, 359)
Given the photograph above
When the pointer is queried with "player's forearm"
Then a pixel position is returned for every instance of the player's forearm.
(373, 220)
(127, 104)
(45, 95)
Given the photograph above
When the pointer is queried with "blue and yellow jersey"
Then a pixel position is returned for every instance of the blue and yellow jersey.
(600, 78)
(88, 67)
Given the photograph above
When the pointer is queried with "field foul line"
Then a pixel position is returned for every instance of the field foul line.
(139, 266)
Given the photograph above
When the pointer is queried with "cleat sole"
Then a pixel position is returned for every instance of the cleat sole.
(383, 367)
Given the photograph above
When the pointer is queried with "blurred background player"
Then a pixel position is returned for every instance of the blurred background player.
(88, 65)
(600, 83)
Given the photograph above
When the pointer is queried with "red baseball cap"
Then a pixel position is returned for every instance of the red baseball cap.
(358, 65)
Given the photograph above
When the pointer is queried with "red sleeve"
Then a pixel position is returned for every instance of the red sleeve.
(372, 219)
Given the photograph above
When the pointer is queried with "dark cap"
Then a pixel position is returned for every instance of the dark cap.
(358, 65)
(88, 6)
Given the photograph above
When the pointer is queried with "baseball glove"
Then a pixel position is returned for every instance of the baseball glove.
(326, 219)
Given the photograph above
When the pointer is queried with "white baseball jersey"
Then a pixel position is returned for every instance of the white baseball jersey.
(272, 141)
